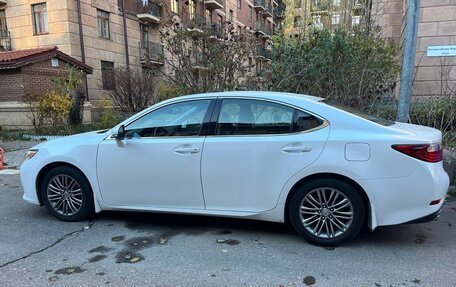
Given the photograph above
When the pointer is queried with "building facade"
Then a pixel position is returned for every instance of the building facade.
(435, 74)
(303, 14)
(105, 34)
(435, 69)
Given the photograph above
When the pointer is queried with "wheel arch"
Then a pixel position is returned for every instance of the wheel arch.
(344, 178)
(45, 169)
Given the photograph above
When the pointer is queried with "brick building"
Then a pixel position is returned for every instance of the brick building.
(435, 75)
(105, 34)
(30, 72)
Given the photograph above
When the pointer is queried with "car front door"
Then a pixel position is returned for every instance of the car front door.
(157, 165)
(256, 146)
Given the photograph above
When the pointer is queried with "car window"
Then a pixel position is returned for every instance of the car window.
(180, 119)
(304, 121)
(252, 117)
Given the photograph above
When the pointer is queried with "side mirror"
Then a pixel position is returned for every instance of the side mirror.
(120, 133)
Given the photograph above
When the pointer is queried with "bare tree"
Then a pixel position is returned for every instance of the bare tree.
(204, 58)
(133, 91)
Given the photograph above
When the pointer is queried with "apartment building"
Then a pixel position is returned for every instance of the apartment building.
(105, 34)
(302, 14)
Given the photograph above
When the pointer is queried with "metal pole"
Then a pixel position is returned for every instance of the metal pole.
(81, 42)
(124, 18)
(408, 60)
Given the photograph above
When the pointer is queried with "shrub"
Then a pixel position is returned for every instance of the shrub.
(167, 90)
(351, 68)
(53, 110)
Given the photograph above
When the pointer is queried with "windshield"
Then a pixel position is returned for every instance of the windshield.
(361, 114)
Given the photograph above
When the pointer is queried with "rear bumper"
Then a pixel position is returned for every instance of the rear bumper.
(427, 218)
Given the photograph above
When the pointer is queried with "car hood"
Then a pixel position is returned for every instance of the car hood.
(94, 137)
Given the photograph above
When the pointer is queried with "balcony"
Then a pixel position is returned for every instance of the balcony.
(262, 30)
(151, 52)
(149, 12)
(216, 30)
(268, 11)
(214, 4)
(5, 41)
(196, 22)
(263, 53)
(279, 12)
(2, 2)
(259, 5)
(199, 61)
(319, 7)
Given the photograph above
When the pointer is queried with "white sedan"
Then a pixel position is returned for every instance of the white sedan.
(257, 155)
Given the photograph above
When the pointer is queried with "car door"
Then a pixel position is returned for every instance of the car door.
(256, 146)
(157, 165)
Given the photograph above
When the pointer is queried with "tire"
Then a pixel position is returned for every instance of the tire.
(332, 213)
(67, 194)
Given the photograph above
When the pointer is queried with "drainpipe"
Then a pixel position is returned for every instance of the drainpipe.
(81, 43)
(127, 57)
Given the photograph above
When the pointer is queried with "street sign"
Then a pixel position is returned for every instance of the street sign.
(441, 51)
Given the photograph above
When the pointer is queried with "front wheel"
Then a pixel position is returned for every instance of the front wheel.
(67, 194)
(327, 212)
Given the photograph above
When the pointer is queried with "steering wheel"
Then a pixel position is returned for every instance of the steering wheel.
(160, 131)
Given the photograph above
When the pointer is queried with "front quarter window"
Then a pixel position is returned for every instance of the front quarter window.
(179, 119)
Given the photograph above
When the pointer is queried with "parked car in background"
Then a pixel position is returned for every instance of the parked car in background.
(257, 155)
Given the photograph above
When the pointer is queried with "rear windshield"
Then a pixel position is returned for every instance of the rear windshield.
(361, 114)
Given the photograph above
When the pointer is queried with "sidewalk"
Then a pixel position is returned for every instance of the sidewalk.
(15, 152)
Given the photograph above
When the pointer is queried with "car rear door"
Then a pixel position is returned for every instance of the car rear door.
(256, 146)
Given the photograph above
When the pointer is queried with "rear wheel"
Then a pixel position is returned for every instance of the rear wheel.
(327, 212)
(67, 194)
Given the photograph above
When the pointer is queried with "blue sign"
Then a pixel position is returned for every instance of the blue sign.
(441, 51)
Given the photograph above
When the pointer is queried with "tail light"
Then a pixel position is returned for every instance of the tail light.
(424, 152)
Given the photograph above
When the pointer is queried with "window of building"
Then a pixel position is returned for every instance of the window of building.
(316, 21)
(175, 6)
(220, 19)
(231, 15)
(144, 29)
(177, 120)
(336, 2)
(239, 4)
(103, 24)
(107, 75)
(192, 9)
(298, 21)
(356, 20)
(208, 17)
(3, 26)
(335, 19)
(40, 19)
(250, 14)
(298, 3)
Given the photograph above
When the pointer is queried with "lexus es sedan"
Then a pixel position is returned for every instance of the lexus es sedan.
(258, 155)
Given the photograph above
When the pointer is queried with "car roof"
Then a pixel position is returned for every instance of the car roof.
(253, 94)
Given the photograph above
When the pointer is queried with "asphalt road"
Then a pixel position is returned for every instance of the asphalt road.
(140, 249)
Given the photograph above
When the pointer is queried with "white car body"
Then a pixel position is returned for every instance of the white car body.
(251, 176)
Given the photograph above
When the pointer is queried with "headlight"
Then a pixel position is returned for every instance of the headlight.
(31, 153)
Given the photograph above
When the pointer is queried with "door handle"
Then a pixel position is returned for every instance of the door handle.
(186, 150)
(297, 149)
